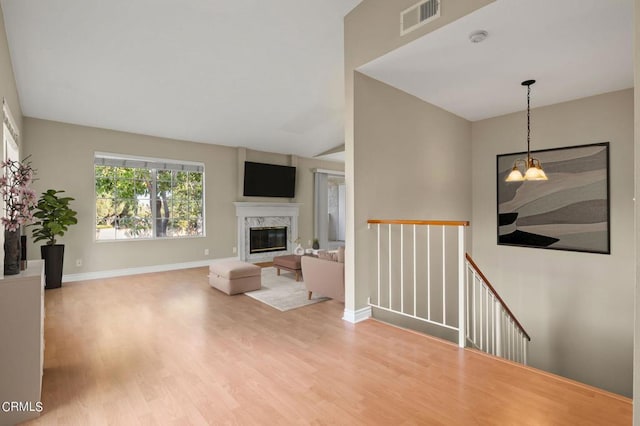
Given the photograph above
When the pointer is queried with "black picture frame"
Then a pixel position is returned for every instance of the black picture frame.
(570, 211)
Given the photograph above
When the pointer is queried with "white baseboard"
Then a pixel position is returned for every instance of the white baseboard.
(140, 270)
(357, 315)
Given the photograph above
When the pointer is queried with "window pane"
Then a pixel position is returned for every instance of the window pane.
(164, 175)
(143, 174)
(178, 227)
(124, 172)
(143, 210)
(105, 171)
(142, 189)
(195, 208)
(195, 178)
(105, 179)
(104, 219)
(195, 225)
(163, 213)
(105, 187)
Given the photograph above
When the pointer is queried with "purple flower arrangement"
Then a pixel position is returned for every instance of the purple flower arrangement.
(19, 199)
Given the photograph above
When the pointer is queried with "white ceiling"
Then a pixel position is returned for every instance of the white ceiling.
(573, 48)
(266, 75)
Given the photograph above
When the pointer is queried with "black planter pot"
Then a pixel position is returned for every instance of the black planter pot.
(53, 259)
(11, 252)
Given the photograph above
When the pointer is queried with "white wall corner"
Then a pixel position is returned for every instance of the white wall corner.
(358, 315)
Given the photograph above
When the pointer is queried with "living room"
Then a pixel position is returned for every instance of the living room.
(72, 147)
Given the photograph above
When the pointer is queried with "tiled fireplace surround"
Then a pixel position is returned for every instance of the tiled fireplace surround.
(262, 215)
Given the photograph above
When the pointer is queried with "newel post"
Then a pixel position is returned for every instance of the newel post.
(461, 288)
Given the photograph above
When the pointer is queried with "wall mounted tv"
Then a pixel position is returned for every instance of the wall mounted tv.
(269, 180)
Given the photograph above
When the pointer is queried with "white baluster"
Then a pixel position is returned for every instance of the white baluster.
(473, 306)
(415, 275)
(480, 316)
(493, 325)
(516, 340)
(390, 307)
(513, 340)
(461, 288)
(486, 317)
(429, 272)
(402, 268)
(444, 277)
(499, 350)
(466, 295)
(508, 338)
(378, 230)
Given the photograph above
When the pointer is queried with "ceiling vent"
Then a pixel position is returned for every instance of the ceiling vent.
(418, 15)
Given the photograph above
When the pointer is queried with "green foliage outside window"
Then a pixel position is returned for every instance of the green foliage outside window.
(147, 203)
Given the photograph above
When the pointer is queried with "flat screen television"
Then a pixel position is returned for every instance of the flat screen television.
(269, 180)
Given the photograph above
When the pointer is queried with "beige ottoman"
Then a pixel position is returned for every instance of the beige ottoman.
(288, 262)
(233, 276)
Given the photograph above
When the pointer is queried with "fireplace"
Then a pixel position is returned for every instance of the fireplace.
(265, 215)
(267, 239)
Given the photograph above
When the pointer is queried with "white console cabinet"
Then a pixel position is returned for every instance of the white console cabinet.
(21, 343)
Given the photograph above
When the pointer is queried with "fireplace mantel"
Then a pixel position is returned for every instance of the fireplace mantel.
(265, 213)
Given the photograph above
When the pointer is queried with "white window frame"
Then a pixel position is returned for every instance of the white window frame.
(320, 215)
(188, 166)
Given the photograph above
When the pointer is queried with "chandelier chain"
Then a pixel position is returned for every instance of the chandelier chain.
(528, 125)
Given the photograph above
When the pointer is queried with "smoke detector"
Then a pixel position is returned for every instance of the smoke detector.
(478, 36)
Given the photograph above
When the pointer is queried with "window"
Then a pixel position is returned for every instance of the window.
(139, 198)
(330, 208)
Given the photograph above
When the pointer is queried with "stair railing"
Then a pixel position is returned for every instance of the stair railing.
(426, 296)
(423, 272)
(491, 326)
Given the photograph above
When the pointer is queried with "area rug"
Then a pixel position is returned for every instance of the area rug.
(283, 292)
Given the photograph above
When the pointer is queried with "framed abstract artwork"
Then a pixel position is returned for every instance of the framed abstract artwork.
(569, 211)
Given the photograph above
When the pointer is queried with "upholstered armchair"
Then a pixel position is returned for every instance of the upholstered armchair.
(323, 277)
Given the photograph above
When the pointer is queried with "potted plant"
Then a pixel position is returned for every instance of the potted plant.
(53, 218)
(316, 244)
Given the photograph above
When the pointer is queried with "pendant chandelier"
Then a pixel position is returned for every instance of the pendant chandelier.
(531, 166)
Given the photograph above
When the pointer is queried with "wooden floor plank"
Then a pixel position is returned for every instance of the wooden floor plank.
(166, 348)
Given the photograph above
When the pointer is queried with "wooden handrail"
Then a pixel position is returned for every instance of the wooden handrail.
(495, 293)
(418, 222)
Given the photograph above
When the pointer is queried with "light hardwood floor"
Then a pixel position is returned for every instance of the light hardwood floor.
(168, 349)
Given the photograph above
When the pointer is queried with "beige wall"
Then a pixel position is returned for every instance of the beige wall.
(577, 307)
(7, 81)
(63, 155)
(408, 157)
(371, 30)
